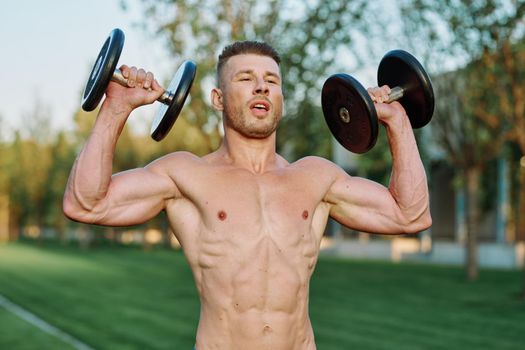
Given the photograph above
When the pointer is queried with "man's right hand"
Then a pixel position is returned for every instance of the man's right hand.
(142, 89)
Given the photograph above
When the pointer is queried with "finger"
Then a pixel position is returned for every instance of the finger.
(125, 71)
(148, 80)
(156, 86)
(132, 78)
(385, 89)
(155, 91)
(374, 94)
(141, 77)
(385, 93)
(379, 94)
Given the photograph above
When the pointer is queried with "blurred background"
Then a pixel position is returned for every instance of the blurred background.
(473, 150)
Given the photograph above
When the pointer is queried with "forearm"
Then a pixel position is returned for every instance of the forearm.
(408, 182)
(90, 176)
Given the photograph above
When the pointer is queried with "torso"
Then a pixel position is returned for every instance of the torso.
(252, 241)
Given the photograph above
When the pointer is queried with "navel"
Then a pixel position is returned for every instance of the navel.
(305, 214)
(221, 215)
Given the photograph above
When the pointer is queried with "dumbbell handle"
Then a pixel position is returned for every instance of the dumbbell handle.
(395, 94)
(117, 77)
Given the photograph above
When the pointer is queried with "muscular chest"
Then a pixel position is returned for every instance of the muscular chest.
(247, 202)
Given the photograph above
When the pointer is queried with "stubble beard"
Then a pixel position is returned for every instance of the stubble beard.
(258, 129)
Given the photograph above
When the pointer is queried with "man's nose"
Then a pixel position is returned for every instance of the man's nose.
(261, 87)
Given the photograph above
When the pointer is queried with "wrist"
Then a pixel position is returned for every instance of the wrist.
(398, 120)
(112, 117)
(116, 108)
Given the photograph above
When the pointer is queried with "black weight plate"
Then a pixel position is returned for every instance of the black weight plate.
(399, 68)
(179, 88)
(103, 70)
(358, 133)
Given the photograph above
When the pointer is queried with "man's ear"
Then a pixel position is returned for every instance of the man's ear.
(216, 99)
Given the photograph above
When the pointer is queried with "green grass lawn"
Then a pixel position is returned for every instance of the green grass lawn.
(125, 298)
(17, 334)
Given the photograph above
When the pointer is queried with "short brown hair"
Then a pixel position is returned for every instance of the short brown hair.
(243, 48)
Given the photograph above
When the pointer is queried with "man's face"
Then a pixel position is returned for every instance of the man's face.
(252, 95)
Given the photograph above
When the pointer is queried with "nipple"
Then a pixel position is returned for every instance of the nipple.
(221, 215)
(305, 214)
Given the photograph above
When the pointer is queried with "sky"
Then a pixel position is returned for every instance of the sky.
(48, 49)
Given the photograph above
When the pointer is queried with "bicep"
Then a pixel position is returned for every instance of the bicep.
(364, 205)
(134, 196)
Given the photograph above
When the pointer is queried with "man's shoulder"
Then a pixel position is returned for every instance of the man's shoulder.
(317, 167)
(176, 159)
(314, 162)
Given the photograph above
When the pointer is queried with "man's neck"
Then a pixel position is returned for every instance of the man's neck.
(254, 155)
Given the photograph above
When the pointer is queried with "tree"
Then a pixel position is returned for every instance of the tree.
(28, 166)
(484, 36)
(470, 145)
(27, 179)
(62, 153)
(4, 176)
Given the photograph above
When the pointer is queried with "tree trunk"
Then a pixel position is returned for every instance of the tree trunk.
(472, 176)
(520, 224)
(520, 227)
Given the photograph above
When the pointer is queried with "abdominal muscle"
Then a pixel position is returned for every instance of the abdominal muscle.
(254, 290)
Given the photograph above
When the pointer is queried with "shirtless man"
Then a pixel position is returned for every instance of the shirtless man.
(250, 223)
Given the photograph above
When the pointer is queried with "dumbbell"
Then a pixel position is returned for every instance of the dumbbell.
(104, 71)
(350, 112)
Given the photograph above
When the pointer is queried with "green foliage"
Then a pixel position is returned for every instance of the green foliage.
(62, 154)
(27, 180)
(5, 161)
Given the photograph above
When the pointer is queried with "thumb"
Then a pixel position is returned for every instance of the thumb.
(156, 90)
